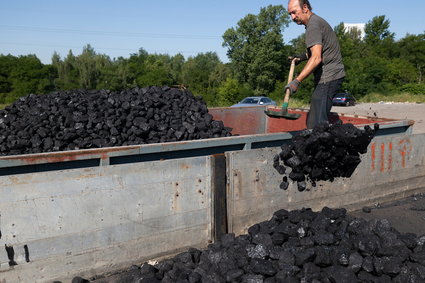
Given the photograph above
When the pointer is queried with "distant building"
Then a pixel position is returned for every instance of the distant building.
(359, 27)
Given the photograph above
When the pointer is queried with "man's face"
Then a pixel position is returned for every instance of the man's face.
(296, 12)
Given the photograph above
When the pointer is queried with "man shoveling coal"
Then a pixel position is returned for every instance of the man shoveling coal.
(324, 60)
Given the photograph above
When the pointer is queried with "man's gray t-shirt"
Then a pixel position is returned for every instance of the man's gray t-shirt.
(318, 31)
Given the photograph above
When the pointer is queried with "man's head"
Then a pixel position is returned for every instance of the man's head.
(300, 11)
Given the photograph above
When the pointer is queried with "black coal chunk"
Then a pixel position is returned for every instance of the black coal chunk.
(299, 246)
(82, 119)
(322, 154)
(340, 274)
(263, 267)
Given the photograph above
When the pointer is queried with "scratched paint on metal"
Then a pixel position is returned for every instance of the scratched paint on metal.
(284, 125)
(391, 158)
(243, 120)
(373, 155)
(405, 150)
(71, 213)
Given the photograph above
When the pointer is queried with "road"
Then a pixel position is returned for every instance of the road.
(406, 215)
(409, 111)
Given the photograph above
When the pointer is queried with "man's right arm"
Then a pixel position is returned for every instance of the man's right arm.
(312, 63)
(300, 58)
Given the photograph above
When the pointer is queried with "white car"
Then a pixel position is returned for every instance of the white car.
(254, 101)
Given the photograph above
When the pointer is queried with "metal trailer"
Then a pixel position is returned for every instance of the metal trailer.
(87, 212)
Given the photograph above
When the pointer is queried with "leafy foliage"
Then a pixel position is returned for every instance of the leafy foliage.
(377, 30)
(417, 89)
(232, 91)
(196, 74)
(258, 65)
(412, 48)
(256, 48)
(23, 75)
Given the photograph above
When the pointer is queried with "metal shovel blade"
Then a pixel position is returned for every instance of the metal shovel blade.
(282, 114)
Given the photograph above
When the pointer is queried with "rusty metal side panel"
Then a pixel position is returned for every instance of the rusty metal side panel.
(243, 120)
(393, 167)
(276, 125)
(249, 122)
(94, 220)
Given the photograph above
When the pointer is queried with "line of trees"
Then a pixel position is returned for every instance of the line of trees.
(258, 64)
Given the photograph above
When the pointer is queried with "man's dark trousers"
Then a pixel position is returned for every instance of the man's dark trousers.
(321, 102)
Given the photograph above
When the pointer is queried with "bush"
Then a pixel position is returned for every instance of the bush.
(393, 97)
(232, 91)
(413, 88)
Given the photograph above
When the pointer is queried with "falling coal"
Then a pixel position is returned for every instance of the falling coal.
(322, 154)
(82, 119)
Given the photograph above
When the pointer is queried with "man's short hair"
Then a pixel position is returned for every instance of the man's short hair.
(302, 2)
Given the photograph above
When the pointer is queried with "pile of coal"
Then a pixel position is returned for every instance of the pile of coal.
(81, 119)
(299, 246)
(324, 153)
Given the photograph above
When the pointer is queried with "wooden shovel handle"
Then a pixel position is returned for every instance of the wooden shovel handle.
(290, 77)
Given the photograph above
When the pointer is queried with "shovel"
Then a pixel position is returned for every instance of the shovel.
(284, 112)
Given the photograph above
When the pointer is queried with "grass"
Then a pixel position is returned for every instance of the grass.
(397, 97)
(369, 98)
(294, 103)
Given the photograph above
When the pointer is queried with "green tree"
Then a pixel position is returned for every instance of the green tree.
(256, 49)
(113, 74)
(90, 71)
(366, 75)
(412, 48)
(86, 65)
(231, 91)
(157, 71)
(28, 75)
(6, 66)
(399, 73)
(68, 74)
(218, 75)
(378, 37)
(176, 67)
(350, 41)
(196, 73)
(298, 44)
(377, 30)
(353, 51)
(136, 66)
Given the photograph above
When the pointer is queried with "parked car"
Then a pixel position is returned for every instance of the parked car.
(254, 101)
(344, 99)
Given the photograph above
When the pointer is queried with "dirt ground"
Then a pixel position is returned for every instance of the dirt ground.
(406, 215)
(409, 111)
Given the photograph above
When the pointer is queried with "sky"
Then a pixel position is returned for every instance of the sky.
(120, 28)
